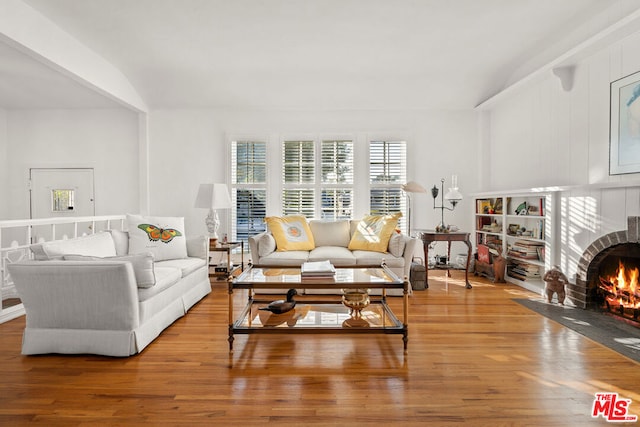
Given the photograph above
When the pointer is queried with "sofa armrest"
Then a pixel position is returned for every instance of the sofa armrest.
(198, 247)
(99, 295)
(254, 246)
(410, 248)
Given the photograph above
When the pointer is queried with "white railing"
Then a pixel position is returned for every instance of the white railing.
(17, 235)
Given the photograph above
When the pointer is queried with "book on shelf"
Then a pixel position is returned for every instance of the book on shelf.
(317, 269)
(483, 206)
(525, 249)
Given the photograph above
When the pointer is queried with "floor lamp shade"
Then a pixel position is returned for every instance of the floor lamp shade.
(408, 188)
(213, 197)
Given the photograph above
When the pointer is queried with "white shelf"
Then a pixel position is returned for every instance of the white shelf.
(532, 222)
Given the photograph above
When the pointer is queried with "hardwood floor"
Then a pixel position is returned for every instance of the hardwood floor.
(475, 358)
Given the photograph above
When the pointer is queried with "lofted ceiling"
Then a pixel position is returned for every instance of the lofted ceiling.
(300, 54)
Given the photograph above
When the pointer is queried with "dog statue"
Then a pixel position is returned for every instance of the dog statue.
(555, 282)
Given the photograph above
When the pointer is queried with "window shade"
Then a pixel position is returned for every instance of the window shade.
(249, 213)
(387, 162)
(299, 162)
(337, 162)
(298, 201)
(249, 162)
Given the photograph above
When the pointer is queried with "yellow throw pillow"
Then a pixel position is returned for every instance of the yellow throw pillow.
(373, 232)
(292, 233)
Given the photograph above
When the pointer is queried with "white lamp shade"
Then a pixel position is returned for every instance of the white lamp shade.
(453, 195)
(213, 196)
(413, 187)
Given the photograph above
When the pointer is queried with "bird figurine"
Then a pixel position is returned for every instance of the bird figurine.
(282, 306)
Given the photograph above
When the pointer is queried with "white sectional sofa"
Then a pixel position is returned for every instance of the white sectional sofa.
(94, 295)
(331, 242)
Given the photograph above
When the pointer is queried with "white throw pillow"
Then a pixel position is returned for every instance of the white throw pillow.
(164, 237)
(396, 244)
(266, 244)
(142, 266)
(330, 233)
(99, 244)
(121, 241)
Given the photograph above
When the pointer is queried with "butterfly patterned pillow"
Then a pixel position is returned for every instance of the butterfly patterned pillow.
(162, 236)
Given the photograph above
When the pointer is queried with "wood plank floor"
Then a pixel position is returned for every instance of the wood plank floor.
(475, 358)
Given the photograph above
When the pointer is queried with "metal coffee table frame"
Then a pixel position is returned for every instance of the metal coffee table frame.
(395, 326)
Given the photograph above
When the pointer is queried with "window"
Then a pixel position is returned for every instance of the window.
(332, 181)
(298, 176)
(387, 173)
(316, 178)
(249, 188)
(337, 179)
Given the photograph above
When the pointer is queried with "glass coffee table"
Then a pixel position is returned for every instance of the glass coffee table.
(319, 314)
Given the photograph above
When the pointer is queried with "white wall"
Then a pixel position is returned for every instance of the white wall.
(541, 136)
(189, 147)
(4, 166)
(103, 139)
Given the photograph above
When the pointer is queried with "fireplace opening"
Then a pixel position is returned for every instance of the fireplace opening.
(616, 282)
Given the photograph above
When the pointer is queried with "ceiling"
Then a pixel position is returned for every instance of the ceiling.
(298, 54)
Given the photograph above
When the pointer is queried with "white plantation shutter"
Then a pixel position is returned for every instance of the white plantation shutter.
(249, 193)
(387, 162)
(298, 178)
(337, 162)
(387, 173)
(298, 162)
(298, 201)
(311, 187)
(336, 200)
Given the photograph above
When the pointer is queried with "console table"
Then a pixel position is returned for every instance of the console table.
(429, 236)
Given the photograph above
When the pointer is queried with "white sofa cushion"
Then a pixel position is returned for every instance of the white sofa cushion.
(337, 255)
(185, 265)
(331, 233)
(162, 236)
(285, 258)
(99, 245)
(376, 258)
(142, 266)
(165, 278)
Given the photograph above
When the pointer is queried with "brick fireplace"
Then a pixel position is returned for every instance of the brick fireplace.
(619, 245)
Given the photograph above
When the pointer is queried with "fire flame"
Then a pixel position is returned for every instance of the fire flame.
(622, 288)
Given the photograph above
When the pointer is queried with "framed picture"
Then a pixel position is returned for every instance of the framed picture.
(624, 136)
(513, 229)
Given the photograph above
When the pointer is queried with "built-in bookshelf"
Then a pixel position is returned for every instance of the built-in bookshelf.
(517, 227)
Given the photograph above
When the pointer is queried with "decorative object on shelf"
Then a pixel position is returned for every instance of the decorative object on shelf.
(408, 188)
(213, 197)
(282, 306)
(555, 282)
(522, 209)
(453, 196)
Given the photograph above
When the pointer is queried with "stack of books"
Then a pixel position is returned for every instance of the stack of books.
(318, 270)
(523, 271)
(525, 249)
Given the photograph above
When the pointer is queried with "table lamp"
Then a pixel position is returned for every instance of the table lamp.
(213, 197)
(453, 196)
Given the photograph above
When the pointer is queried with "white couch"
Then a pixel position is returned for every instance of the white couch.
(88, 295)
(331, 243)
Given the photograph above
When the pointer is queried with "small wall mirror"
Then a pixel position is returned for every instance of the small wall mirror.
(62, 200)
